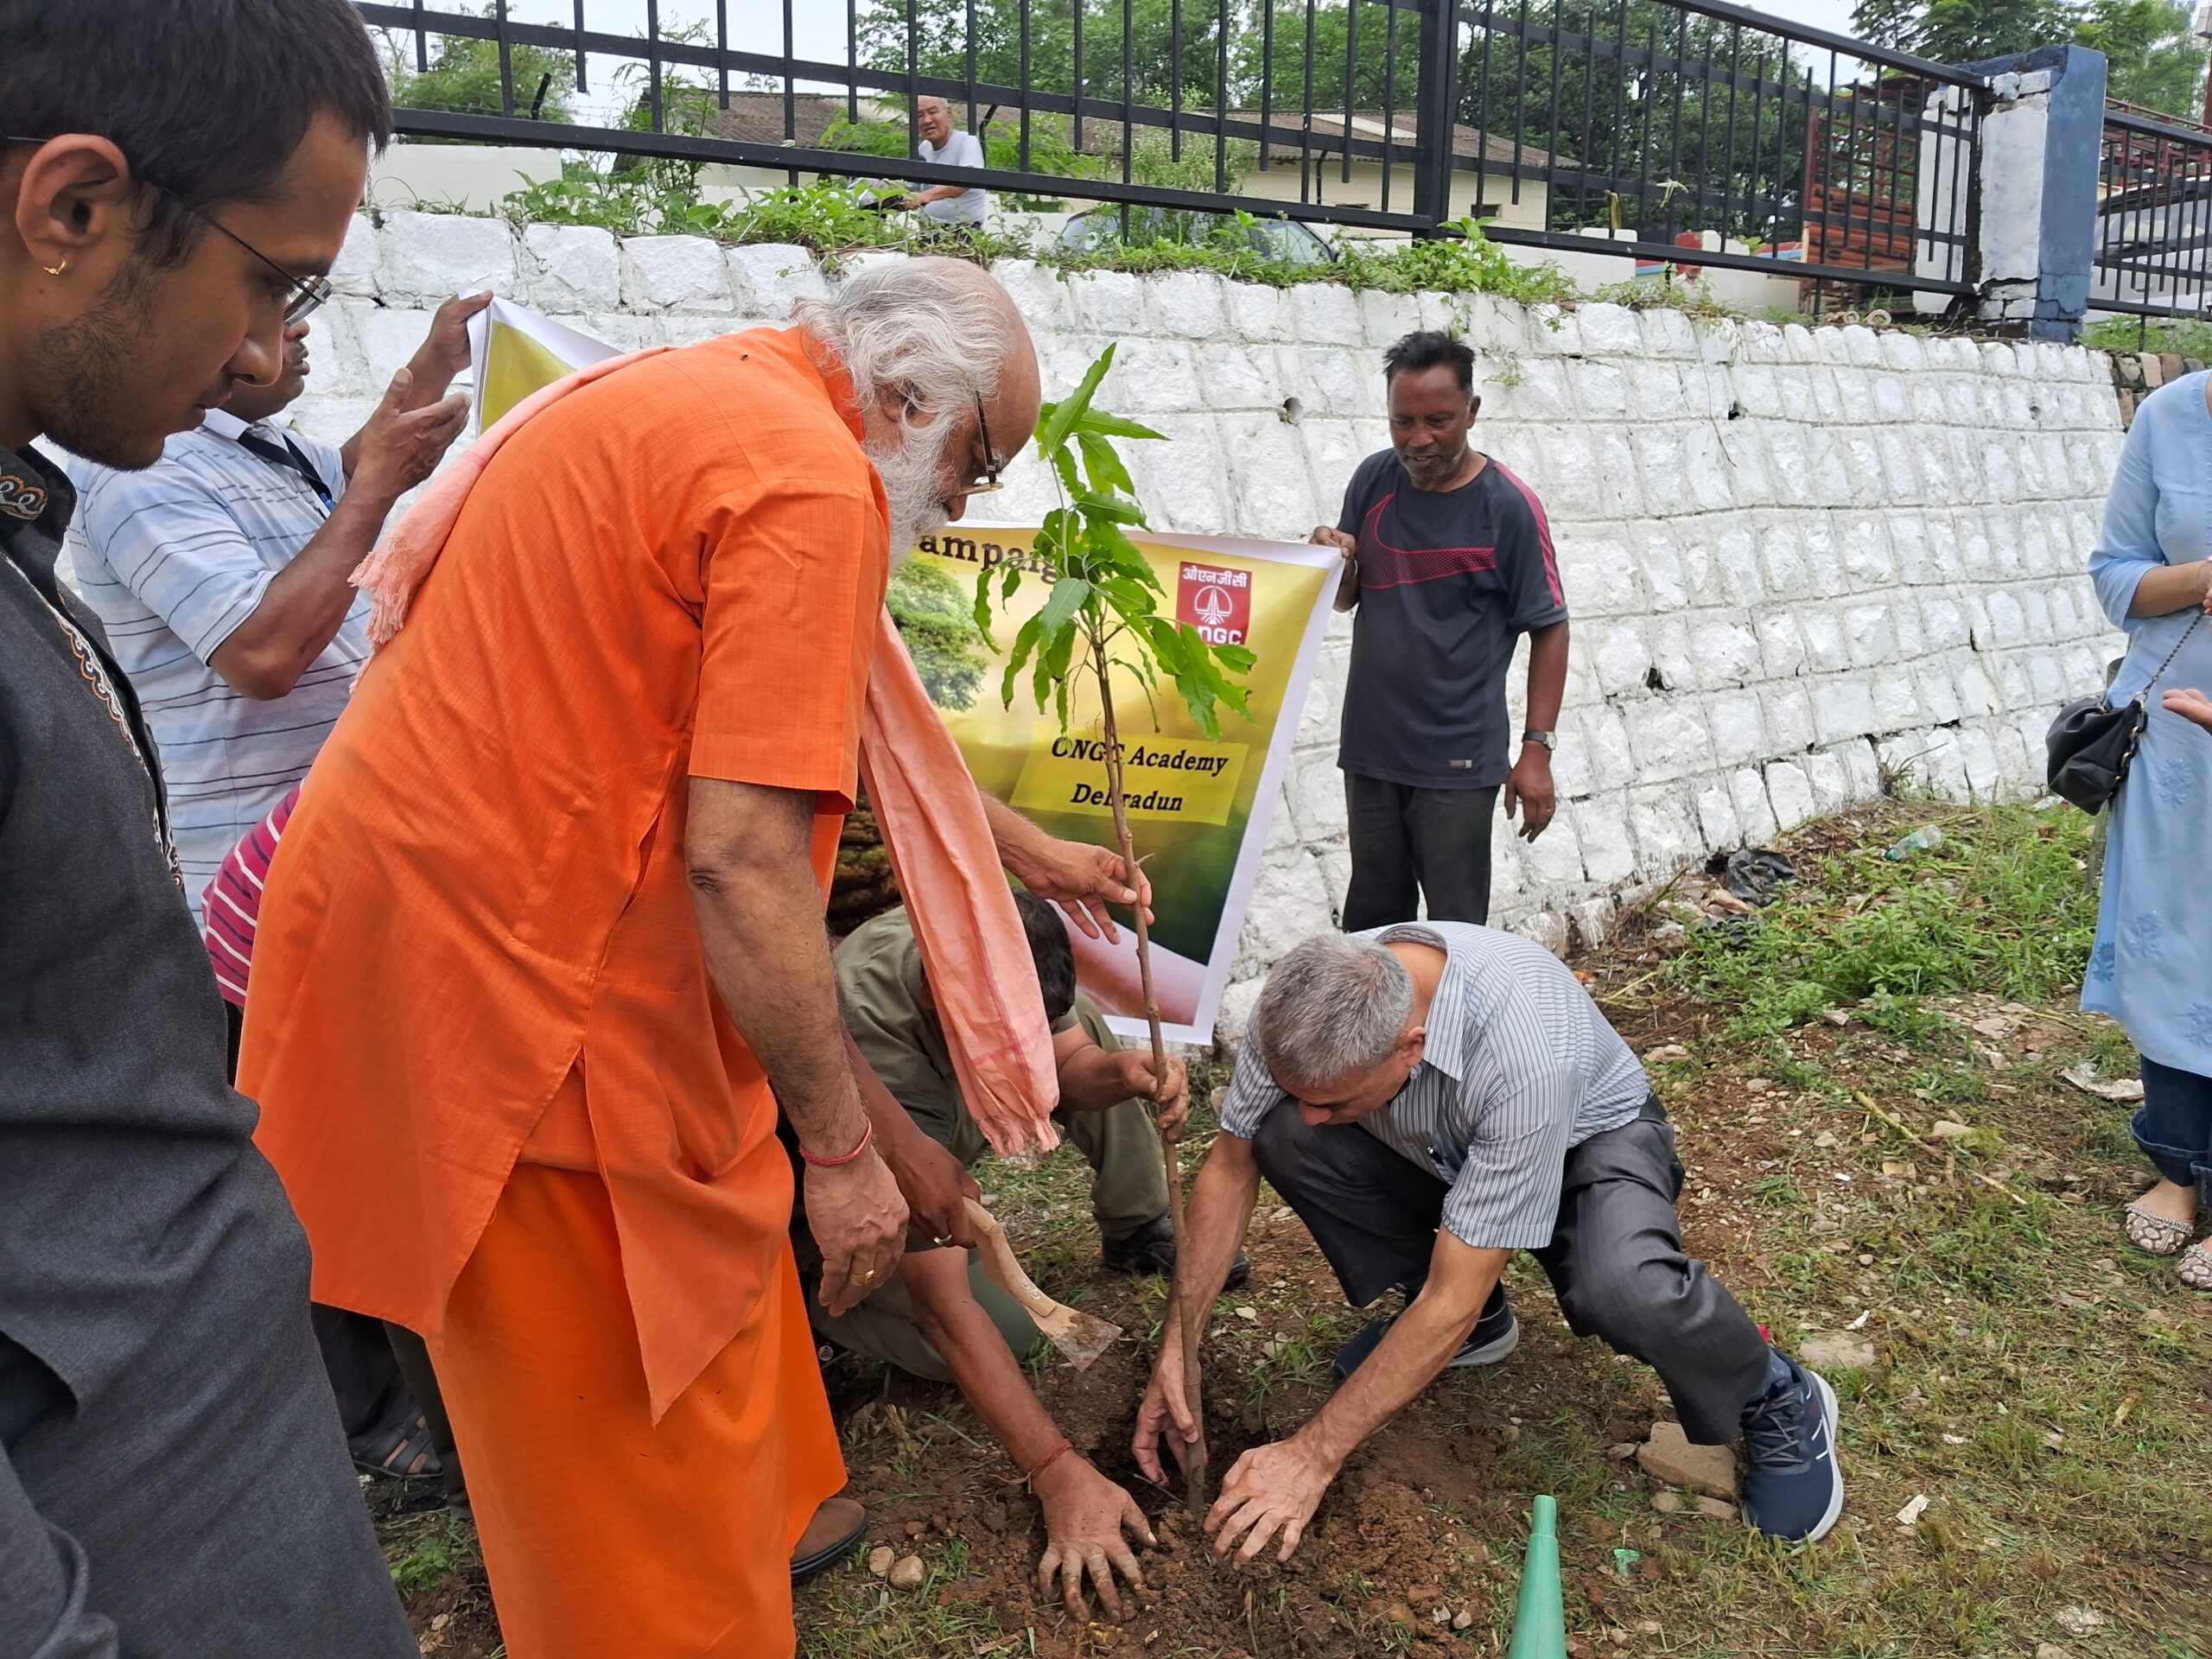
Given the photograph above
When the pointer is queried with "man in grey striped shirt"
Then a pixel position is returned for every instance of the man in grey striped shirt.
(1430, 1098)
(222, 575)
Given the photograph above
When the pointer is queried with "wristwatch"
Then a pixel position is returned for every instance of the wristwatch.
(1549, 740)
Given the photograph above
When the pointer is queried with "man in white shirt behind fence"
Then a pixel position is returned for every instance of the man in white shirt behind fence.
(948, 203)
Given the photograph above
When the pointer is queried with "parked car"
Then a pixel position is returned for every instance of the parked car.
(1284, 239)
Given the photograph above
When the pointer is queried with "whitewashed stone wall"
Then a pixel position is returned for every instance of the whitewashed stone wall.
(1796, 558)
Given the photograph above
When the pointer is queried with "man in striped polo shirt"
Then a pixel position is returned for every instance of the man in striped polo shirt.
(1430, 1098)
(222, 574)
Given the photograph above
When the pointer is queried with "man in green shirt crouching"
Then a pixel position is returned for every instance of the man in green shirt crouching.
(938, 1317)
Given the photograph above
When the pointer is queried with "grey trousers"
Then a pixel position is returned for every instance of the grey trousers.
(1615, 1258)
(1409, 843)
(202, 1502)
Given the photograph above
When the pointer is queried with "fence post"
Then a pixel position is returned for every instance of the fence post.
(1436, 112)
(2041, 139)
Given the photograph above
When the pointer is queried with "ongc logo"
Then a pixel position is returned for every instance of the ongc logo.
(1215, 602)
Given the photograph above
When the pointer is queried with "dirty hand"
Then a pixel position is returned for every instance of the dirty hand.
(1531, 789)
(859, 1221)
(1330, 536)
(1269, 1488)
(1081, 880)
(1171, 1099)
(1085, 1513)
(1165, 1412)
(2191, 705)
(402, 445)
(936, 1188)
(444, 351)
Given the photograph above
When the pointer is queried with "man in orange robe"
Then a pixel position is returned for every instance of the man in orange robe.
(547, 927)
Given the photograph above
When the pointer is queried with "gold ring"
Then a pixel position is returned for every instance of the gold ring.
(866, 1275)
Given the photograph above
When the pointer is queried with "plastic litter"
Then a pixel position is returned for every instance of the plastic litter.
(1757, 874)
(1927, 838)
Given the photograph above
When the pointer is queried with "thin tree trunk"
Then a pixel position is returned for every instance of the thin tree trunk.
(1194, 1467)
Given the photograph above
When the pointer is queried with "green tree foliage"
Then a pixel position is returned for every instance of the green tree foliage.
(2153, 62)
(941, 44)
(934, 618)
(1660, 149)
(463, 77)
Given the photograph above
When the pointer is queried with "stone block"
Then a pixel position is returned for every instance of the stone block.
(1385, 319)
(1599, 577)
(1669, 638)
(1324, 314)
(1183, 482)
(1548, 928)
(1667, 835)
(1791, 794)
(353, 273)
(1317, 796)
(1868, 634)
(682, 274)
(1843, 707)
(425, 258)
(1290, 903)
(1655, 390)
(1825, 774)
(1152, 376)
(1330, 384)
(1754, 812)
(1782, 645)
(1716, 817)
(1608, 853)
(1238, 1002)
(1109, 302)
(1038, 294)
(1589, 922)
(388, 340)
(1827, 647)
(1789, 714)
(1597, 391)
(1554, 858)
(1609, 331)
(1620, 659)
(1670, 741)
(1669, 333)
(1728, 652)
(574, 268)
(1254, 311)
(766, 278)
(1232, 375)
(1738, 728)
(1269, 485)
(1186, 305)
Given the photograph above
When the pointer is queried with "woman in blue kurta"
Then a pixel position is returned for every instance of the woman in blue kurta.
(2152, 969)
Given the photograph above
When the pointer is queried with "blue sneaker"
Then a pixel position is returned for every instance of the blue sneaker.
(1793, 1485)
(1496, 1334)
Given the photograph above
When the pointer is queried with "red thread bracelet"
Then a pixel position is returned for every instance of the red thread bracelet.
(1029, 1478)
(867, 1139)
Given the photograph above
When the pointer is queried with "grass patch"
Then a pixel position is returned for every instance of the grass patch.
(2003, 905)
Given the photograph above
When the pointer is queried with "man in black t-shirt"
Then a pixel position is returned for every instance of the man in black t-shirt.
(1448, 560)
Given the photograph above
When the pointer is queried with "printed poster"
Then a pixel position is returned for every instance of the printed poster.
(1199, 809)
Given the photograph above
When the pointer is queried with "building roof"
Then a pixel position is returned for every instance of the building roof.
(1328, 130)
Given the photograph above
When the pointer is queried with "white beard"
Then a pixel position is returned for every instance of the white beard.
(910, 467)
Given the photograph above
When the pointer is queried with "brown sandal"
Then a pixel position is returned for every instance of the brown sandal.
(2196, 1268)
(2156, 1235)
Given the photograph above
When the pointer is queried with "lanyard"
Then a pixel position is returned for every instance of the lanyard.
(287, 455)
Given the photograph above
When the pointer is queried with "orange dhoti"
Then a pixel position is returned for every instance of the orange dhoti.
(604, 1533)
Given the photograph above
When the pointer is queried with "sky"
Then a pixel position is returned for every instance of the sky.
(818, 28)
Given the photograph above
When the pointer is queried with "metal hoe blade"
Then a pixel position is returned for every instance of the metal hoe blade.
(1082, 1337)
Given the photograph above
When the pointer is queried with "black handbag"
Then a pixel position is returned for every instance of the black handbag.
(2091, 743)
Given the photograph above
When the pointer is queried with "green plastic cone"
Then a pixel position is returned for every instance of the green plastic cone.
(1540, 1625)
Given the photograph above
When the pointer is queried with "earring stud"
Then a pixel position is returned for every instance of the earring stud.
(55, 270)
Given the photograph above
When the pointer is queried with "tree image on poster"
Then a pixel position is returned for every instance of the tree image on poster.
(1103, 612)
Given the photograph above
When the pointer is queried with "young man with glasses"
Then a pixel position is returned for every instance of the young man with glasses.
(173, 1479)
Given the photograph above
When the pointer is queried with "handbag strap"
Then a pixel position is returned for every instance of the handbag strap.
(2152, 681)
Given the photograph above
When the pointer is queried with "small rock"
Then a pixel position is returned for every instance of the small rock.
(1944, 1129)
(1439, 1614)
(1667, 1502)
(1668, 1457)
(1666, 1051)
(1838, 1354)
(879, 1560)
(2051, 1650)
(1825, 1139)
(1621, 1451)
(1910, 1515)
(1669, 933)
(1401, 1616)
(907, 1573)
(1716, 1508)
(1248, 1313)
(1648, 1626)
(916, 1529)
(1837, 1016)
(2080, 1621)
(1464, 1619)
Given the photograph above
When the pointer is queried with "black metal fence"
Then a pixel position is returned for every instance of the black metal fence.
(2154, 218)
(1690, 131)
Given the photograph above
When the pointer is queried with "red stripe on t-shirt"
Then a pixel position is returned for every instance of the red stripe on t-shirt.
(1397, 569)
(1544, 532)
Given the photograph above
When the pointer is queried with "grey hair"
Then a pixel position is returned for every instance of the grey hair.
(923, 328)
(1334, 1006)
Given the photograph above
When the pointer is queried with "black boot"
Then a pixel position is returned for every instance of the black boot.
(1151, 1249)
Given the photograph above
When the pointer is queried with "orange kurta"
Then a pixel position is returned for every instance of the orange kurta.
(672, 572)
